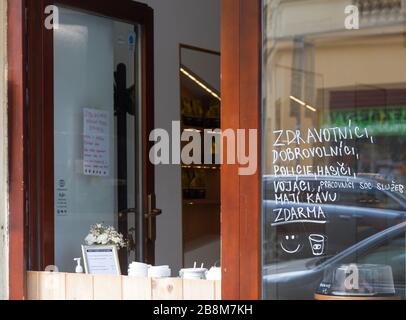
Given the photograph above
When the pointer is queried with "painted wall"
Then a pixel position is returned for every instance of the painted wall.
(3, 154)
(192, 22)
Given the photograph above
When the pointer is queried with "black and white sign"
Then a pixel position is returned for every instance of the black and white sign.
(101, 260)
(96, 144)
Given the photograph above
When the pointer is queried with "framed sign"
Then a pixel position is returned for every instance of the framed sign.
(101, 260)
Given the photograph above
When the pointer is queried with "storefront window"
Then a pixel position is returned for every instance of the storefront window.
(334, 167)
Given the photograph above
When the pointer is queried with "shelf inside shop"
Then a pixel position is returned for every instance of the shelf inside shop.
(198, 129)
(203, 166)
(200, 202)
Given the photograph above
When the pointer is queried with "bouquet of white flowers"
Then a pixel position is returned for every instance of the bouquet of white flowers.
(102, 235)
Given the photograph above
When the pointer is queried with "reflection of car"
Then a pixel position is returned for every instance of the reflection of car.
(299, 279)
(353, 215)
(355, 212)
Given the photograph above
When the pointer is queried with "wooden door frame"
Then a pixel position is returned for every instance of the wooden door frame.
(241, 105)
(241, 109)
(16, 154)
(30, 118)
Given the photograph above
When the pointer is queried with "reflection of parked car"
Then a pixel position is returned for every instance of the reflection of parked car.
(299, 279)
(355, 212)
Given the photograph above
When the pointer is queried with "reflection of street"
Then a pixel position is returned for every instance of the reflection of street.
(387, 158)
(317, 273)
(361, 208)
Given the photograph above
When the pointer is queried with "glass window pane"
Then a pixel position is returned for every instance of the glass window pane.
(96, 133)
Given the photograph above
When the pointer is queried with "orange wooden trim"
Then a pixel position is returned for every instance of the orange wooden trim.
(16, 103)
(250, 117)
(230, 207)
(241, 106)
(340, 298)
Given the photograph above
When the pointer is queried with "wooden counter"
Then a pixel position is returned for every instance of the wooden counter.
(71, 286)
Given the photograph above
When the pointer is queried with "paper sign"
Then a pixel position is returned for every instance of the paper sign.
(101, 260)
(96, 146)
(61, 193)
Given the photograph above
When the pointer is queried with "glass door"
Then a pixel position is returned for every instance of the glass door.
(92, 127)
(97, 138)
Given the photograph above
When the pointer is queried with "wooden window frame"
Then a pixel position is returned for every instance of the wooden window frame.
(241, 52)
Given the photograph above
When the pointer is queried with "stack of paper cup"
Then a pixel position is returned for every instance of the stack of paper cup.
(214, 274)
(137, 269)
(159, 272)
(193, 273)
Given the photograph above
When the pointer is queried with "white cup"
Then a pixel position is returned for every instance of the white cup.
(137, 269)
(193, 273)
(214, 274)
(159, 272)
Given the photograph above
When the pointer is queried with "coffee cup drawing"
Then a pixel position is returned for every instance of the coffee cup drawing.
(317, 243)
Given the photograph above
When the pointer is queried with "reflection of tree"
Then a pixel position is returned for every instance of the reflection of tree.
(390, 160)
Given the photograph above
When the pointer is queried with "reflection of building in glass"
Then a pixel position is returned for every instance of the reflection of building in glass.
(321, 75)
(384, 9)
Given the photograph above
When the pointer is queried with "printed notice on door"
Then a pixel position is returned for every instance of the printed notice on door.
(96, 148)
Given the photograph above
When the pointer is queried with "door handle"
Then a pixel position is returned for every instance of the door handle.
(150, 216)
(153, 213)
(131, 240)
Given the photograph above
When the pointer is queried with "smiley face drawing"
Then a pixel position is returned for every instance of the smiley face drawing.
(290, 244)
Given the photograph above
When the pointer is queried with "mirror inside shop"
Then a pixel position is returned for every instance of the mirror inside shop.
(200, 113)
(334, 175)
